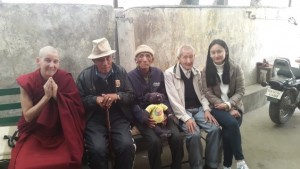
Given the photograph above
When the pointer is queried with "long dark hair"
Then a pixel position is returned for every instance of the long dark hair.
(212, 76)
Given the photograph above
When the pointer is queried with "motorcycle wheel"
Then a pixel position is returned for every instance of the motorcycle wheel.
(282, 111)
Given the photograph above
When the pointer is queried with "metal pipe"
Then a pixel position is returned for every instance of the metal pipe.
(116, 4)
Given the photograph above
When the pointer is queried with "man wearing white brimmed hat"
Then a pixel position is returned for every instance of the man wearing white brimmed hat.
(148, 79)
(107, 96)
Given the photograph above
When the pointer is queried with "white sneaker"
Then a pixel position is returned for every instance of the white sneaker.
(227, 167)
(242, 165)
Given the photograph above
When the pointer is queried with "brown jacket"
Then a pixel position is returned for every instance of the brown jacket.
(236, 88)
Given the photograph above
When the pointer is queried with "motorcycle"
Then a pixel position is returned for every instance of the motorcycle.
(283, 91)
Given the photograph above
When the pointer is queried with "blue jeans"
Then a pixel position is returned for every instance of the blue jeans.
(232, 145)
(193, 141)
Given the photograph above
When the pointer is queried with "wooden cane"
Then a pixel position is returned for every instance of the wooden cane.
(111, 156)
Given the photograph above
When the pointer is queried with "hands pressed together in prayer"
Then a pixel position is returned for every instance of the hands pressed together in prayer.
(106, 100)
(50, 88)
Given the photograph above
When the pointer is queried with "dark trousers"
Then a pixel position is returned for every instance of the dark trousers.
(96, 140)
(232, 144)
(154, 145)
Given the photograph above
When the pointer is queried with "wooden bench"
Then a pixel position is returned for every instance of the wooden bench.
(8, 123)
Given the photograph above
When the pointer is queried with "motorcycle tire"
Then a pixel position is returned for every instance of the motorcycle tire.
(282, 111)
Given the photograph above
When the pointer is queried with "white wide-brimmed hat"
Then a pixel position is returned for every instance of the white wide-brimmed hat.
(101, 48)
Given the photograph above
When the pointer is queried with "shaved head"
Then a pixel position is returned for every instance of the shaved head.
(47, 50)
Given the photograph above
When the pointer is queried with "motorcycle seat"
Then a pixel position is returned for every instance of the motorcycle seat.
(287, 73)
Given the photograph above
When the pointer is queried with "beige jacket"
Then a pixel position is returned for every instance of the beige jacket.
(236, 88)
(175, 90)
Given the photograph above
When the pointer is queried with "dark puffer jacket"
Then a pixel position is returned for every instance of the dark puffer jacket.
(141, 88)
(87, 90)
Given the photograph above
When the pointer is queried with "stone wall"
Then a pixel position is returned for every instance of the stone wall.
(250, 40)
(25, 28)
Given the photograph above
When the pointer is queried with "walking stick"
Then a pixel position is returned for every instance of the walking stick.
(111, 156)
(110, 146)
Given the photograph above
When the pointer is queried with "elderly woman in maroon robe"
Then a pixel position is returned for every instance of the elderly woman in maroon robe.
(52, 122)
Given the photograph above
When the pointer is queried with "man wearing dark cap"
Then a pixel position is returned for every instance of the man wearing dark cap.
(147, 79)
(107, 96)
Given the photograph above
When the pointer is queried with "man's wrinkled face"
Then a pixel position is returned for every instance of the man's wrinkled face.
(104, 64)
(144, 60)
(186, 59)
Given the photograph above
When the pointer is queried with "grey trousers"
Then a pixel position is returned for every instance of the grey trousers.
(194, 145)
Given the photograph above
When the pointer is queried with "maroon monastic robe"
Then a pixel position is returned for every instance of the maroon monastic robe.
(54, 140)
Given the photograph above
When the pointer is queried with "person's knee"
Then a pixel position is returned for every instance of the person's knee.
(175, 135)
(125, 146)
(194, 136)
(155, 142)
(97, 149)
(214, 133)
(215, 129)
(233, 124)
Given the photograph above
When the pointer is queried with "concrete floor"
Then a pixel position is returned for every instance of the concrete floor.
(265, 145)
(269, 146)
